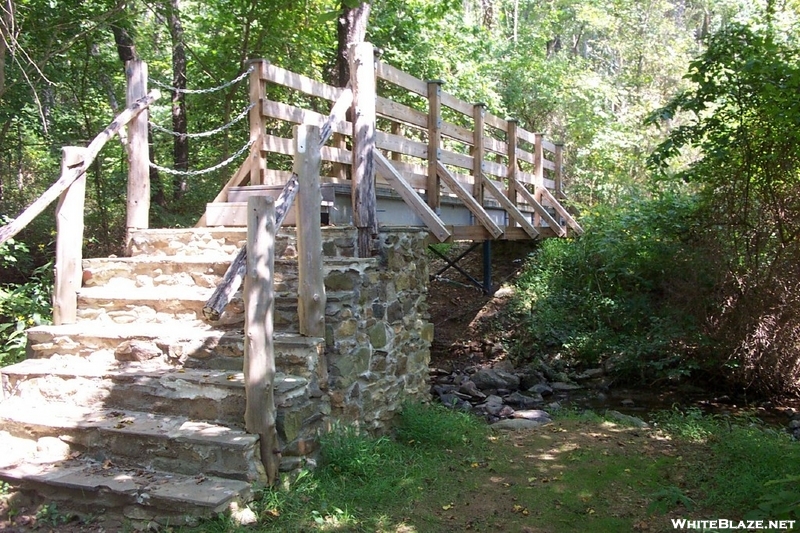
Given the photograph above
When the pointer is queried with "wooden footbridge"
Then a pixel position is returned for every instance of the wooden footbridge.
(147, 398)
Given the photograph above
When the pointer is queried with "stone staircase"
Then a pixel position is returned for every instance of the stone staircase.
(137, 409)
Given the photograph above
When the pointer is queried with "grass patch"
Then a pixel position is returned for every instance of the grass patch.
(445, 471)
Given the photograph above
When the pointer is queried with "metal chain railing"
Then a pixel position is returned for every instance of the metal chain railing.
(204, 133)
(218, 166)
(239, 78)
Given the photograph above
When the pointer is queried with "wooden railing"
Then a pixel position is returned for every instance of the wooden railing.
(451, 149)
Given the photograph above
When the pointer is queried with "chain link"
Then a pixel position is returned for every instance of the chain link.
(205, 133)
(218, 166)
(239, 78)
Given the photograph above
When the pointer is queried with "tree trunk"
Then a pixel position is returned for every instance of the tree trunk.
(180, 149)
(351, 29)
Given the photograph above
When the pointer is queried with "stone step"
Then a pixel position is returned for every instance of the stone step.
(170, 346)
(141, 440)
(337, 242)
(140, 496)
(214, 396)
(181, 307)
(126, 273)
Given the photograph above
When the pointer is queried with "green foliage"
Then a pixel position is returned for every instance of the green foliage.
(435, 426)
(667, 499)
(629, 290)
(744, 116)
(21, 305)
(347, 451)
(780, 504)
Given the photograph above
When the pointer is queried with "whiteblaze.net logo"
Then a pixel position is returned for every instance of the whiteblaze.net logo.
(747, 525)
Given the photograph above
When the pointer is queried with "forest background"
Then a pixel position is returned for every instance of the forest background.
(681, 120)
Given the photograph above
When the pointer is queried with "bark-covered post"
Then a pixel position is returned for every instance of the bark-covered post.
(511, 172)
(258, 89)
(138, 152)
(558, 162)
(478, 150)
(434, 142)
(311, 297)
(259, 356)
(69, 241)
(362, 79)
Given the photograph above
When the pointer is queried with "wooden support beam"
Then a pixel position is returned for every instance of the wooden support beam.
(258, 92)
(434, 142)
(540, 210)
(478, 151)
(558, 161)
(237, 179)
(66, 179)
(138, 199)
(311, 296)
(259, 354)
(538, 172)
(475, 208)
(69, 241)
(510, 208)
(561, 210)
(511, 176)
(411, 198)
(365, 217)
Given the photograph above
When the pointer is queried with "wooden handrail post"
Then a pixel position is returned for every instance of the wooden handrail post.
(478, 150)
(434, 142)
(311, 297)
(558, 162)
(69, 241)
(258, 91)
(511, 173)
(138, 150)
(538, 173)
(362, 81)
(259, 356)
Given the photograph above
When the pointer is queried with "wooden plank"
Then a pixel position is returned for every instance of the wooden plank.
(479, 233)
(259, 354)
(298, 115)
(466, 198)
(298, 82)
(495, 169)
(456, 104)
(558, 161)
(411, 198)
(69, 241)
(362, 79)
(415, 175)
(401, 145)
(539, 208)
(400, 112)
(281, 145)
(459, 133)
(494, 145)
(138, 199)
(455, 159)
(311, 296)
(509, 208)
(562, 211)
(434, 141)
(496, 122)
(401, 79)
(527, 177)
(526, 135)
(547, 145)
(65, 180)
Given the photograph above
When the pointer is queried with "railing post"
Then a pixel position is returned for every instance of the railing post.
(362, 80)
(538, 173)
(259, 356)
(69, 241)
(478, 150)
(311, 297)
(138, 150)
(558, 162)
(511, 172)
(258, 90)
(434, 142)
